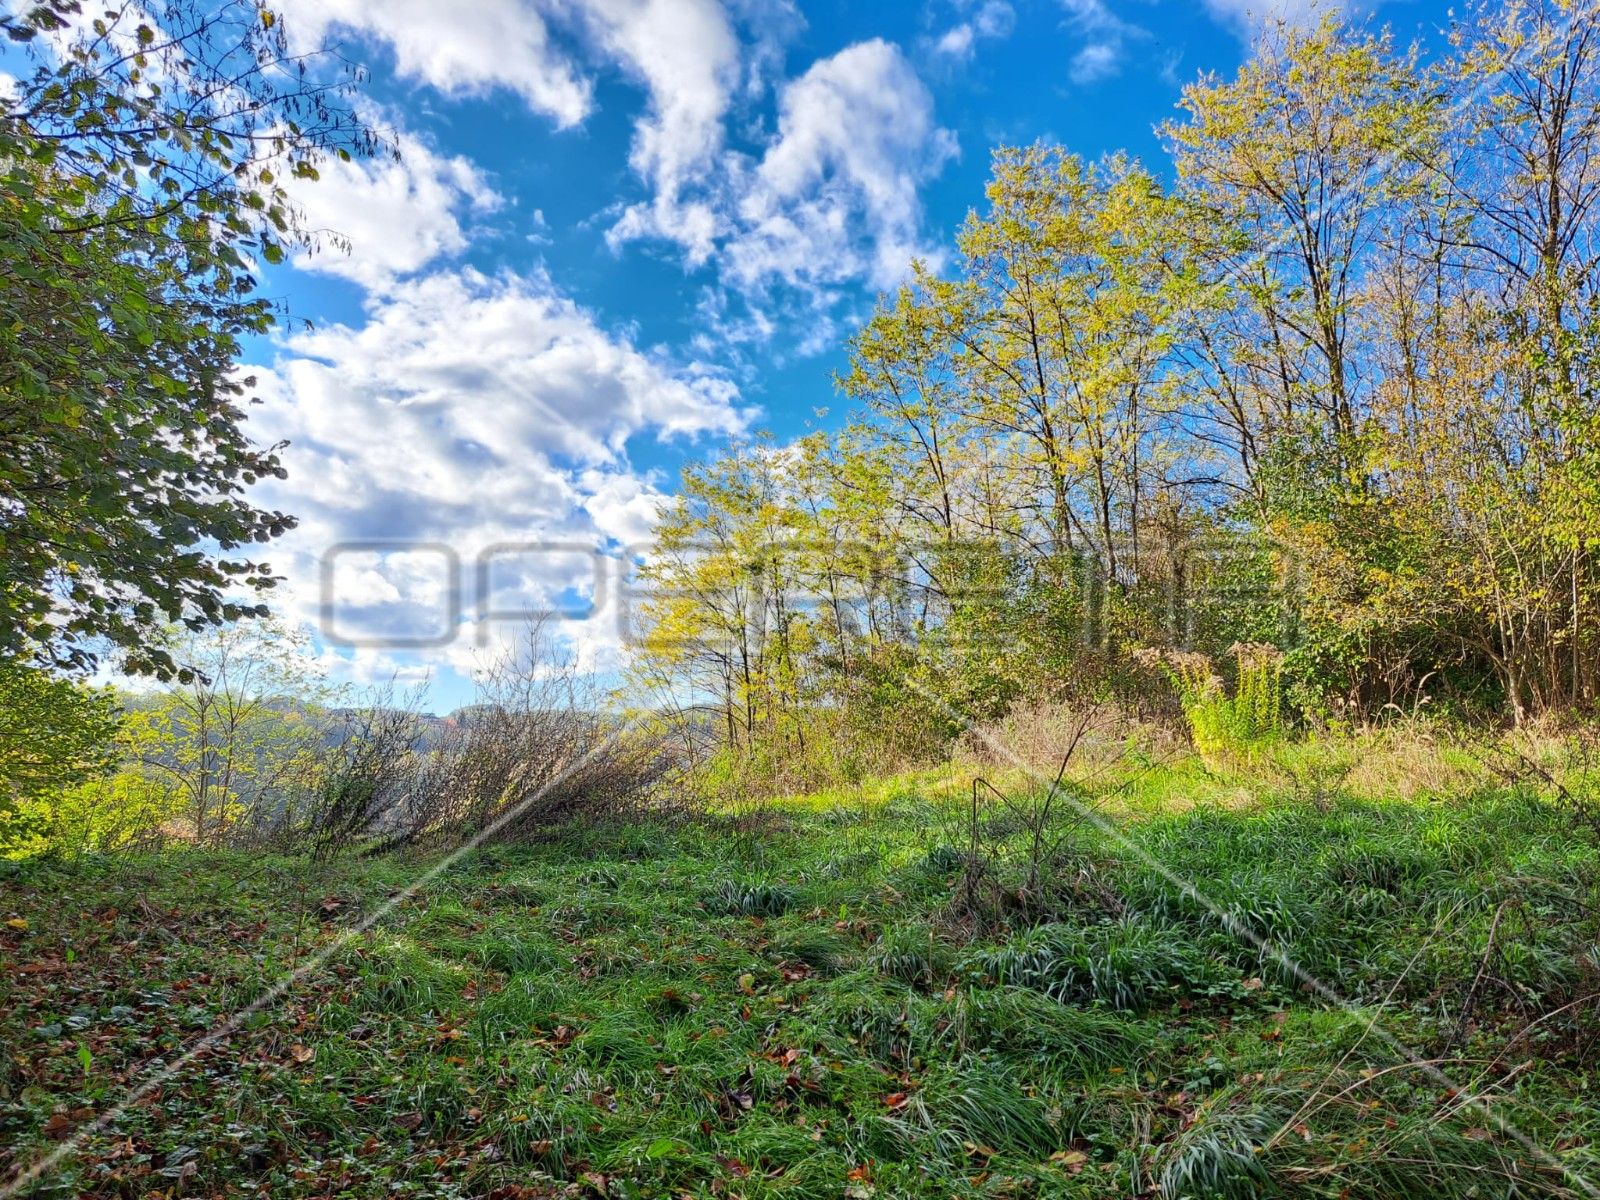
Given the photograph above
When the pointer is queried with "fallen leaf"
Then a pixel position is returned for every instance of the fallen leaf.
(1072, 1161)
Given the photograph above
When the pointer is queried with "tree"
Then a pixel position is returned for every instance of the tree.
(143, 172)
(1335, 389)
(1295, 165)
(54, 733)
(241, 741)
(55, 736)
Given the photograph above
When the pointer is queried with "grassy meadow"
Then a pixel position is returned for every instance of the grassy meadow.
(1181, 561)
(1226, 985)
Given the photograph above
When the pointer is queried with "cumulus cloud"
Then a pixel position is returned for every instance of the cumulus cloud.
(387, 217)
(688, 58)
(467, 412)
(455, 49)
(833, 195)
(829, 195)
(856, 139)
(463, 377)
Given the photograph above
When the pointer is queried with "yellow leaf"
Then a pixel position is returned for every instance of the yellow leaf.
(16, 923)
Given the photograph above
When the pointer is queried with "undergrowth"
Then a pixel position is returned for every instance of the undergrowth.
(1284, 999)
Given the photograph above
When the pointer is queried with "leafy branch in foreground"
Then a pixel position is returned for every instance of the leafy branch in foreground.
(144, 170)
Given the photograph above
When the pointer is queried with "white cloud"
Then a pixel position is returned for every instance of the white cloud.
(467, 411)
(856, 139)
(461, 375)
(992, 20)
(1105, 37)
(956, 42)
(831, 196)
(687, 56)
(1097, 60)
(459, 51)
(394, 217)
(624, 508)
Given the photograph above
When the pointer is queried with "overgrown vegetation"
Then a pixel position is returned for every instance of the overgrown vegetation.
(255, 751)
(669, 1008)
(1192, 635)
(1324, 388)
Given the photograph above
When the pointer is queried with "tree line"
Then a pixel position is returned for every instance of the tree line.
(1317, 390)
(1323, 380)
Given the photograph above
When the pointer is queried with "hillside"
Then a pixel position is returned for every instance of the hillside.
(1365, 999)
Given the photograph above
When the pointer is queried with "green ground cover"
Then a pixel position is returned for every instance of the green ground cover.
(799, 1003)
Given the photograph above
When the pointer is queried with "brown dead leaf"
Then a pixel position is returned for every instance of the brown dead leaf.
(1072, 1161)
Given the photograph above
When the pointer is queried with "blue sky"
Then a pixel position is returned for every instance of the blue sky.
(621, 232)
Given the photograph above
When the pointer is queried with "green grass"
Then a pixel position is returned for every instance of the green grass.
(802, 1011)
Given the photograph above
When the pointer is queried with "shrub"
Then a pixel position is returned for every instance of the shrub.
(1227, 728)
(537, 751)
(55, 735)
(126, 811)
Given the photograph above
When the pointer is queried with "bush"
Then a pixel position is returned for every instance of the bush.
(1227, 728)
(55, 735)
(125, 811)
(537, 751)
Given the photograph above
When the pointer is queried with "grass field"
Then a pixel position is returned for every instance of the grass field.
(798, 1004)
